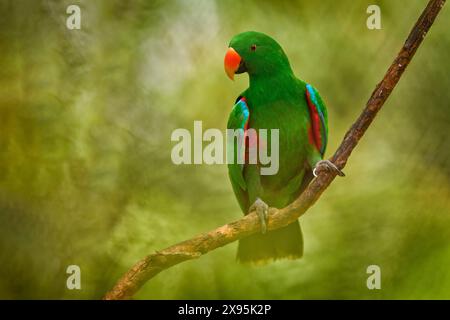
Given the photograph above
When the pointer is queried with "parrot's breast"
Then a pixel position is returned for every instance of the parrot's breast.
(291, 118)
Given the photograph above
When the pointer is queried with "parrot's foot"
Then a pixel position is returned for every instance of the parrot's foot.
(262, 210)
(327, 165)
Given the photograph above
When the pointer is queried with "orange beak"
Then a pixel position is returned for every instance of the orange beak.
(231, 62)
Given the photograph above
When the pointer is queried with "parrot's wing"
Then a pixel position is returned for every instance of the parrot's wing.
(239, 118)
(319, 118)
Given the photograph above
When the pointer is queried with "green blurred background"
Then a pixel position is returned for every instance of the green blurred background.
(85, 171)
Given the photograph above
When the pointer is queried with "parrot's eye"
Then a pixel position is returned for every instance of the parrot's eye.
(253, 47)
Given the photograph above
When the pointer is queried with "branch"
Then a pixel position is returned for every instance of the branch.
(195, 247)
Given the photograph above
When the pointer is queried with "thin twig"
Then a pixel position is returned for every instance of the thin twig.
(195, 247)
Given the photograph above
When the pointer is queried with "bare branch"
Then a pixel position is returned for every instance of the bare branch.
(195, 247)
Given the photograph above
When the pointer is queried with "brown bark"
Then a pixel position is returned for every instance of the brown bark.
(195, 247)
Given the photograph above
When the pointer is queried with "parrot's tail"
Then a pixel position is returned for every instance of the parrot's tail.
(286, 242)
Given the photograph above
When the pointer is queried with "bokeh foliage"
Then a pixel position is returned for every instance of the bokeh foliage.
(85, 170)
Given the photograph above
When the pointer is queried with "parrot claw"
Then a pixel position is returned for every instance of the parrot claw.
(262, 210)
(327, 165)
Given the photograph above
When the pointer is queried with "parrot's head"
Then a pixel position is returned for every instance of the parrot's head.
(255, 53)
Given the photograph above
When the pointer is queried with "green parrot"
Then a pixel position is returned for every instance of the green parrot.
(275, 99)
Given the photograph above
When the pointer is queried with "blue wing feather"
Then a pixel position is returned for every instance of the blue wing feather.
(322, 112)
